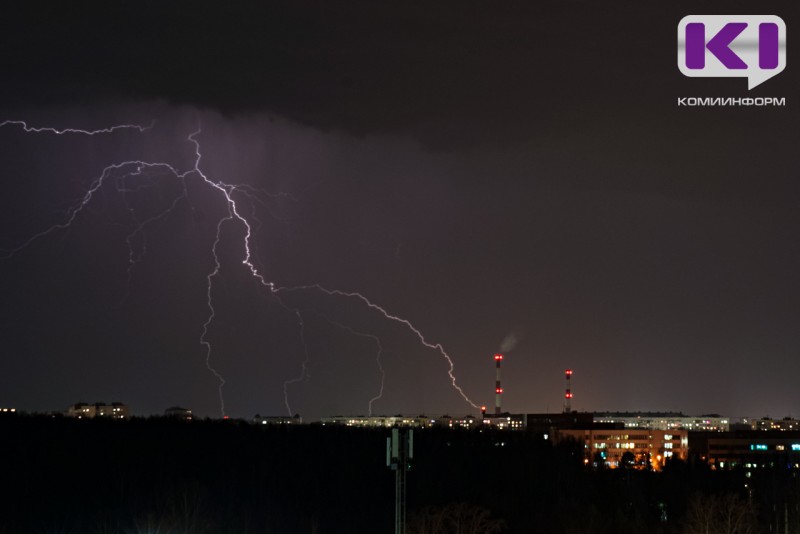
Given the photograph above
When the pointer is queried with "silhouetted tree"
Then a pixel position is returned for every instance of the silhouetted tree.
(627, 460)
(720, 514)
(455, 519)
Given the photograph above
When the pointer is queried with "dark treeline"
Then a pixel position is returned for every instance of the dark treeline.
(167, 476)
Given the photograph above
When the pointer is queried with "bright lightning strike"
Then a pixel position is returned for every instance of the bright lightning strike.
(138, 167)
(135, 168)
(234, 213)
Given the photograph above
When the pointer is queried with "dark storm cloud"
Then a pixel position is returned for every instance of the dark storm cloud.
(359, 66)
(448, 73)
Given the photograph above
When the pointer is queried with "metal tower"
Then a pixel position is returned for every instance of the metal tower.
(399, 453)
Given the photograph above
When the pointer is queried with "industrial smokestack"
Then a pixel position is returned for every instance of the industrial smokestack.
(498, 390)
(568, 393)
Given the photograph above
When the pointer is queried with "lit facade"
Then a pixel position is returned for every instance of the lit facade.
(420, 421)
(665, 421)
(537, 422)
(649, 448)
(115, 410)
(278, 420)
(506, 421)
(786, 424)
(468, 421)
(378, 421)
(749, 449)
(177, 412)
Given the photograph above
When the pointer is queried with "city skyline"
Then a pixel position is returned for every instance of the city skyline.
(413, 186)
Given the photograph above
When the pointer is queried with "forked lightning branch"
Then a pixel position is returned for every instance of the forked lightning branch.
(232, 195)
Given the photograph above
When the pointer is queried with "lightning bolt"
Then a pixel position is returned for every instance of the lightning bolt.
(136, 168)
(80, 205)
(303, 365)
(32, 129)
(355, 295)
(139, 230)
(377, 341)
(233, 212)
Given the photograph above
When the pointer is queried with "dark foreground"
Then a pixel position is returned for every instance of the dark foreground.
(164, 476)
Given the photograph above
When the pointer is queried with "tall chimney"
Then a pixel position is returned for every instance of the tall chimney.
(568, 393)
(498, 390)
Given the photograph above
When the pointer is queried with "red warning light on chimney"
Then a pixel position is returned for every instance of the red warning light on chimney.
(498, 356)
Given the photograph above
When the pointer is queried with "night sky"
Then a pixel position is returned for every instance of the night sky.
(497, 173)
